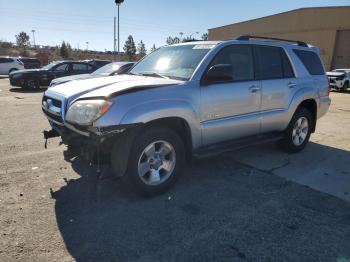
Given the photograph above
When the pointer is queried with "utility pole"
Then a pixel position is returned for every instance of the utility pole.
(118, 3)
(114, 39)
(33, 31)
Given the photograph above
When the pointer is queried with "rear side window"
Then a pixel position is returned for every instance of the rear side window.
(80, 67)
(311, 61)
(287, 68)
(270, 62)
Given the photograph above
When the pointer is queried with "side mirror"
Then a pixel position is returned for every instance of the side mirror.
(219, 73)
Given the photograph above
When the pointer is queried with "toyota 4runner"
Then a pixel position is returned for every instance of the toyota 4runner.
(194, 98)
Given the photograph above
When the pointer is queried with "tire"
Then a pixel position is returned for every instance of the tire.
(31, 84)
(296, 137)
(146, 170)
(345, 87)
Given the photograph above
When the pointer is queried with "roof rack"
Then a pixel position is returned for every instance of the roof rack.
(248, 37)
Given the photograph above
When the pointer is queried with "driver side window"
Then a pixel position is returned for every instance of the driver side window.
(240, 57)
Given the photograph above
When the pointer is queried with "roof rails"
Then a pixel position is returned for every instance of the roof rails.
(248, 37)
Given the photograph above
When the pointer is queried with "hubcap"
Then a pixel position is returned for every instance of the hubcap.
(300, 131)
(156, 163)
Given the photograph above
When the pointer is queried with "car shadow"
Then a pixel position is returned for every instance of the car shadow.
(23, 90)
(220, 210)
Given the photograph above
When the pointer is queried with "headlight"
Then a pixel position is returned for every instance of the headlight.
(85, 112)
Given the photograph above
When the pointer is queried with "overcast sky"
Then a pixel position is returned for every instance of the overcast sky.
(81, 21)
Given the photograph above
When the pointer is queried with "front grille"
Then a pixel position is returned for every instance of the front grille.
(52, 108)
(53, 116)
(55, 102)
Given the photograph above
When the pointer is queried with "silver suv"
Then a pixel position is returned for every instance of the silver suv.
(195, 98)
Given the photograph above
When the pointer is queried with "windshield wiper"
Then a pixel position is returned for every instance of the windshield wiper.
(154, 74)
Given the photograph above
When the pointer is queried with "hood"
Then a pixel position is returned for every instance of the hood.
(107, 86)
(28, 71)
(70, 78)
(335, 73)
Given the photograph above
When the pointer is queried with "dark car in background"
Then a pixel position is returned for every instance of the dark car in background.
(30, 63)
(34, 78)
(115, 68)
(98, 62)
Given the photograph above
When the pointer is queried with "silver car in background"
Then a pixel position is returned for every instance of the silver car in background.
(195, 98)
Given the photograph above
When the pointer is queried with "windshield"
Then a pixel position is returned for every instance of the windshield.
(178, 62)
(107, 69)
(49, 66)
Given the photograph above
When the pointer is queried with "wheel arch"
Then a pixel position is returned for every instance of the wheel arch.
(311, 105)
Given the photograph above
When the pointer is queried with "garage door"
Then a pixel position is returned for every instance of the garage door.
(341, 57)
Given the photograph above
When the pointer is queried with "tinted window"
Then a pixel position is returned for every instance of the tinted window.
(287, 68)
(3, 60)
(241, 59)
(80, 67)
(270, 62)
(311, 61)
(62, 67)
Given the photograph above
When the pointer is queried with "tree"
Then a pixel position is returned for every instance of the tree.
(141, 49)
(172, 40)
(205, 36)
(65, 50)
(154, 48)
(22, 39)
(130, 48)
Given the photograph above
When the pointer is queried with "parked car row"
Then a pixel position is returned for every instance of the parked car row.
(64, 71)
(10, 64)
(339, 79)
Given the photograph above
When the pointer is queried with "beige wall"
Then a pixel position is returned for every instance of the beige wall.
(317, 26)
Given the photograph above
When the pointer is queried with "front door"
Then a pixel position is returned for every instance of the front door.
(230, 110)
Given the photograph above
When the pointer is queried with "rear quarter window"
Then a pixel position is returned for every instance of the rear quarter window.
(311, 61)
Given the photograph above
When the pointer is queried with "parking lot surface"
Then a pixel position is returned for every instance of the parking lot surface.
(255, 204)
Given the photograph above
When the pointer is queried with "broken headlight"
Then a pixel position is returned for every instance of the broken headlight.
(85, 112)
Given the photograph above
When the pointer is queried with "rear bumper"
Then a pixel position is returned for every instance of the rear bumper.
(324, 105)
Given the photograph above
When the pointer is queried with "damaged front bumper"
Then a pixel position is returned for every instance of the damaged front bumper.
(87, 142)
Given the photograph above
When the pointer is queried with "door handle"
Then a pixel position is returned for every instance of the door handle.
(291, 85)
(254, 89)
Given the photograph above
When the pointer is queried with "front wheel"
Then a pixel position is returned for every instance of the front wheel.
(298, 133)
(156, 161)
(31, 84)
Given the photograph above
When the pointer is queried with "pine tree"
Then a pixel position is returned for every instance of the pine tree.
(141, 49)
(130, 48)
(205, 36)
(154, 48)
(65, 50)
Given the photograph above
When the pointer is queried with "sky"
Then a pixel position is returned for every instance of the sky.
(152, 21)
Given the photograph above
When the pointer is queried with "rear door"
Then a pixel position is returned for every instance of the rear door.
(278, 85)
(230, 110)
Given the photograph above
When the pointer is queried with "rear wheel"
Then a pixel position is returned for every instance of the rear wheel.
(298, 133)
(156, 161)
(345, 87)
